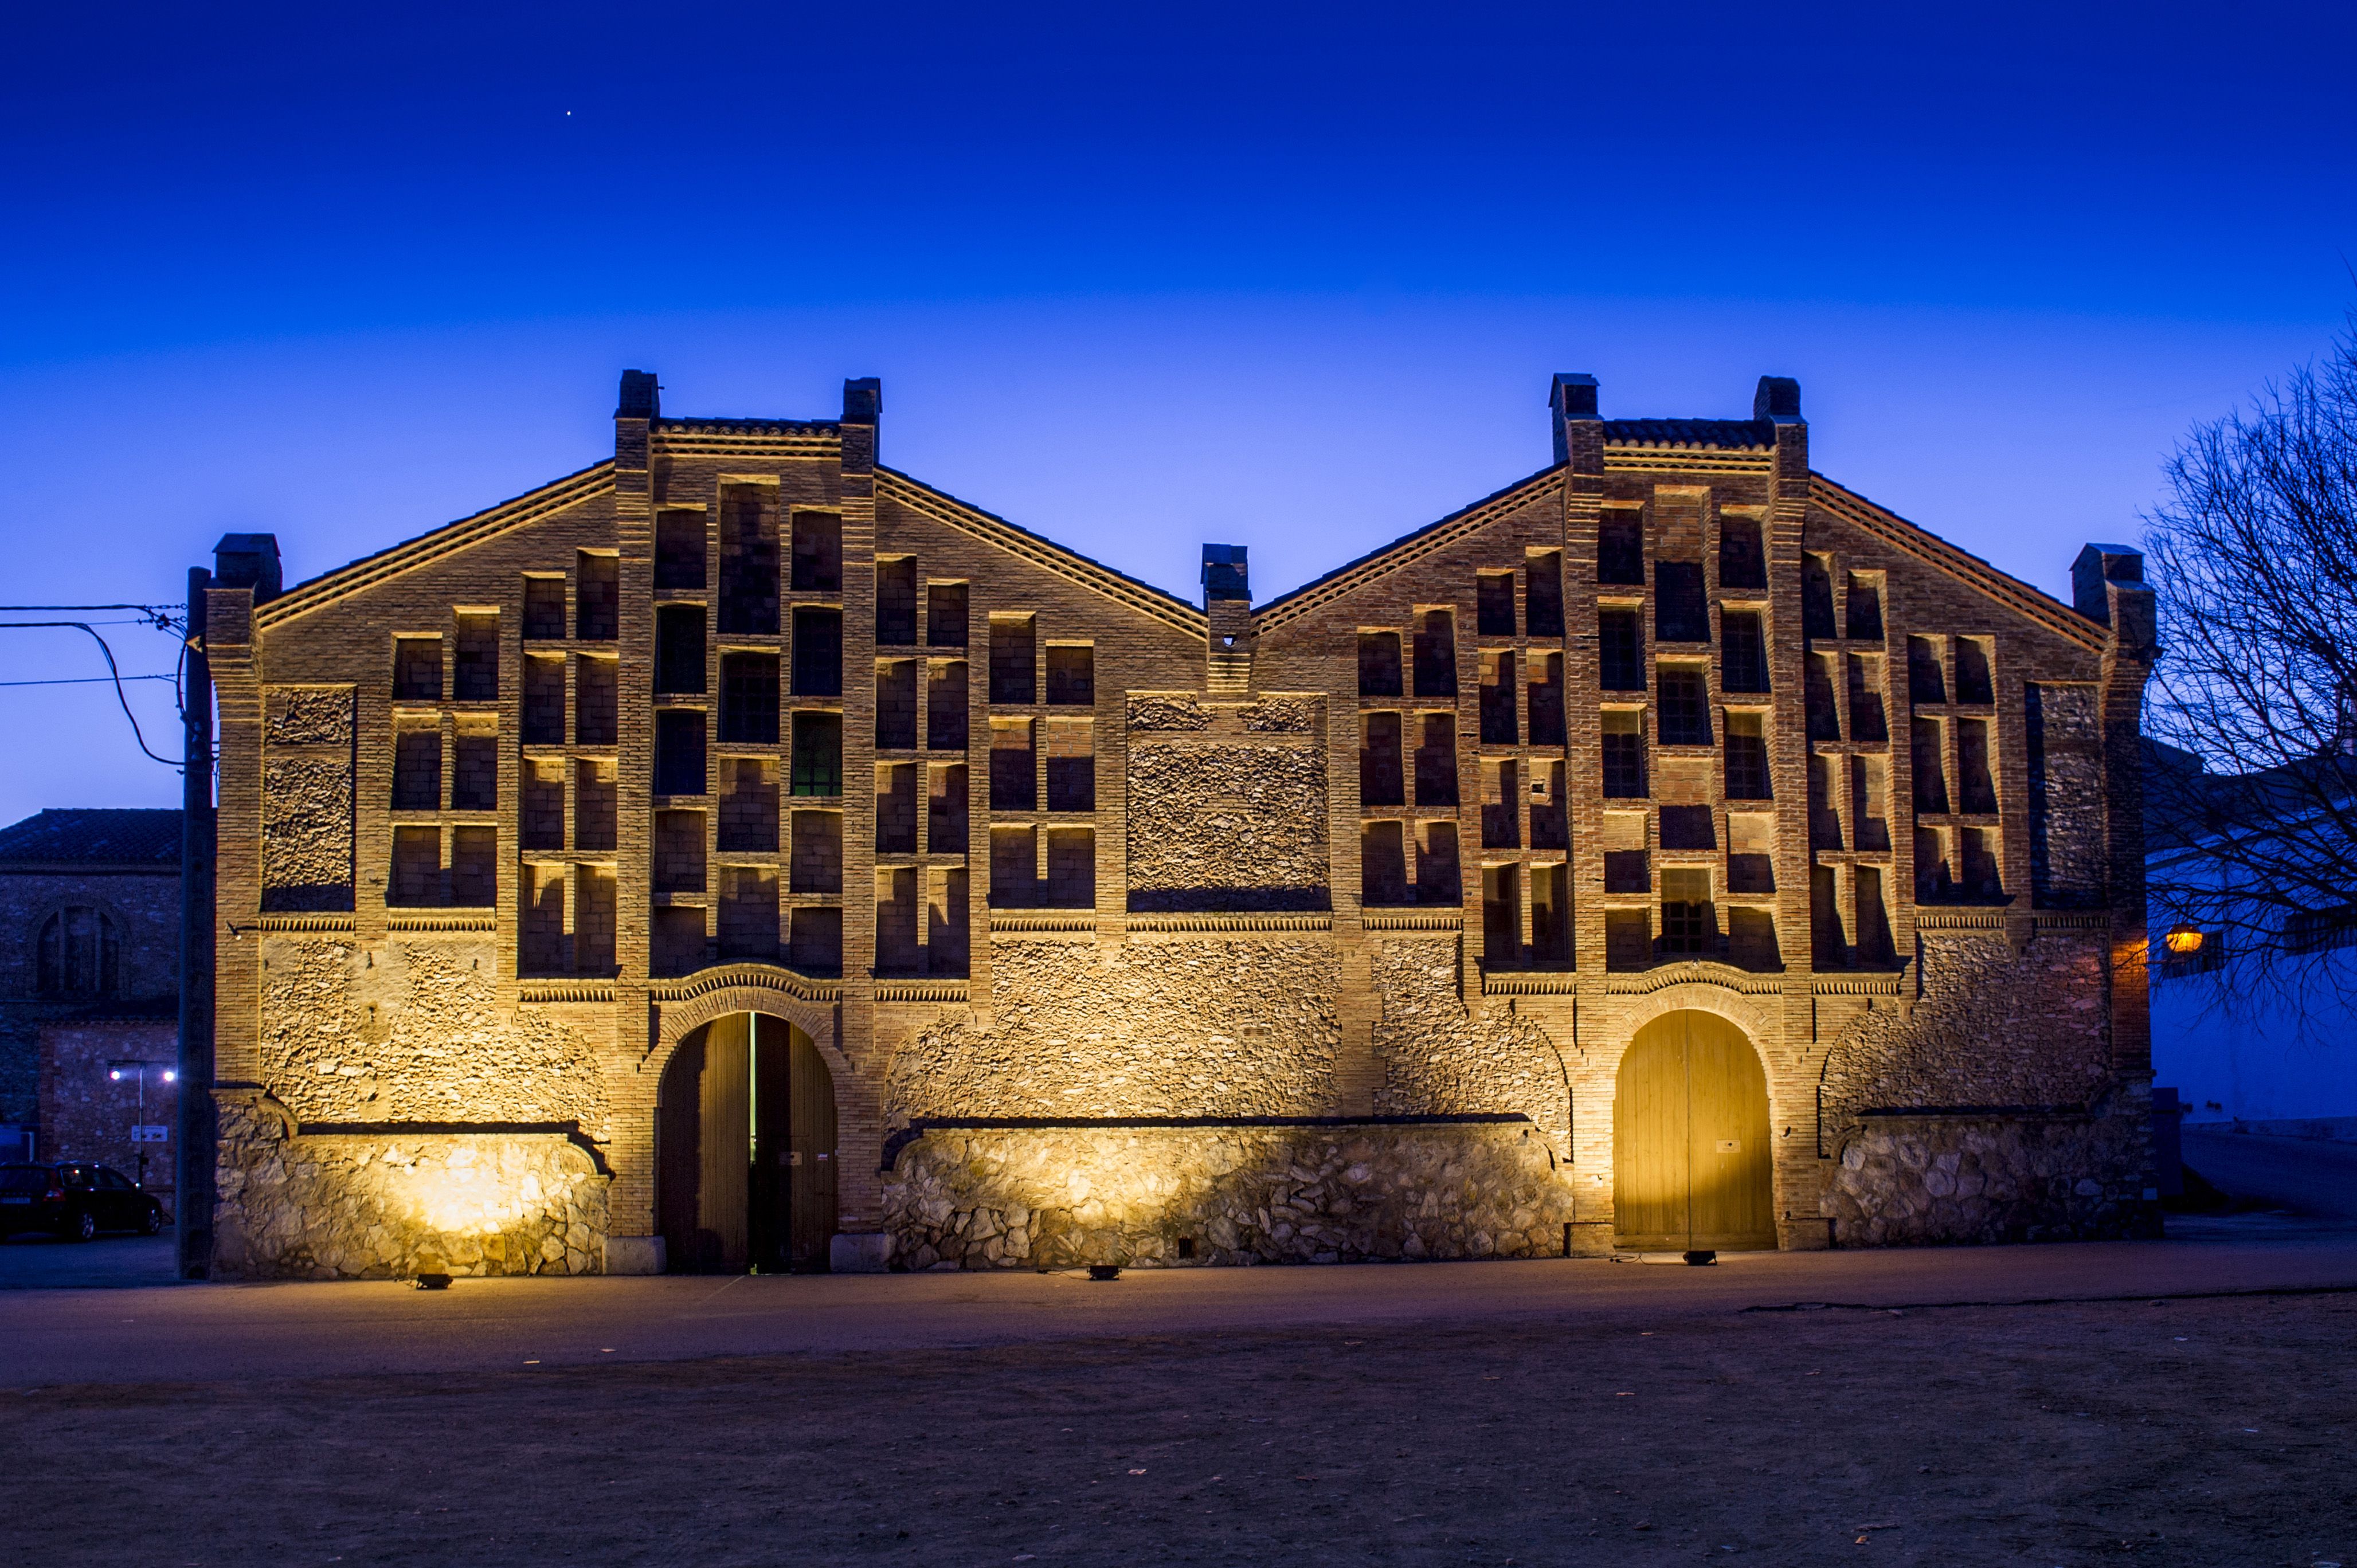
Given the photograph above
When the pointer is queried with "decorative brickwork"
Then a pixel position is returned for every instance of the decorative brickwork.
(1672, 727)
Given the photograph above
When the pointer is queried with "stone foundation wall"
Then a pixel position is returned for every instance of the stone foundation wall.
(1912, 1181)
(1059, 1197)
(355, 1206)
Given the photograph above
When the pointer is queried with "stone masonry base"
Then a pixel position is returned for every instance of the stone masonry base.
(1161, 1197)
(391, 1206)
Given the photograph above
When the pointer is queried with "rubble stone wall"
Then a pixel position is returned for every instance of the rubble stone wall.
(1059, 1197)
(388, 1206)
(1174, 1028)
(1436, 1061)
(408, 1031)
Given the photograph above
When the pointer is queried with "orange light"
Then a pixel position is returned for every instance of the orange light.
(2183, 938)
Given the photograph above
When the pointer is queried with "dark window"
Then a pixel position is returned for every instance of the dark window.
(818, 653)
(1438, 878)
(1624, 756)
(679, 647)
(1382, 864)
(1379, 777)
(1014, 785)
(1501, 807)
(1498, 725)
(1072, 780)
(1931, 778)
(1014, 677)
(416, 871)
(80, 955)
(1687, 922)
(1621, 651)
(417, 669)
(818, 553)
(1865, 608)
(1741, 562)
(475, 772)
(1743, 654)
(1546, 700)
(596, 701)
(748, 699)
(597, 597)
(1436, 655)
(1435, 760)
(1866, 720)
(1817, 699)
(1684, 706)
(1750, 873)
(1494, 604)
(896, 704)
(1072, 674)
(1688, 827)
(543, 607)
(818, 753)
(1973, 684)
(475, 868)
(945, 705)
(748, 560)
(1627, 871)
(1925, 682)
(1379, 664)
(946, 811)
(1747, 758)
(679, 752)
(896, 601)
(1620, 548)
(1542, 597)
(679, 548)
(1816, 598)
(417, 770)
(543, 700)
(945, 615)
(1681, 613)
(896, 811)
(475, 673)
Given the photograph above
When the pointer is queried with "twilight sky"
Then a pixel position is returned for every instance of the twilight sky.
(1135, 278)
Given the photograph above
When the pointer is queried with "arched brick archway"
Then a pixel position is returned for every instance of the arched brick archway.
(675, 1021)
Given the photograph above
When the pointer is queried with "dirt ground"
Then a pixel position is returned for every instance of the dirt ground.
(2193, 1432)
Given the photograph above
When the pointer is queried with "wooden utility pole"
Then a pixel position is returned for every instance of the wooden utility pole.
(193, 1206)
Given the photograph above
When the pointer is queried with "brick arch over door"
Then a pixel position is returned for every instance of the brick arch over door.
(675, 1021)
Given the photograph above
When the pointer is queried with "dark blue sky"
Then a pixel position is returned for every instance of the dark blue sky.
(1291, 277)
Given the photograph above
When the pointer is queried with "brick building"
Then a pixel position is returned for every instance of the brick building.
(739, 854)
(89, 946)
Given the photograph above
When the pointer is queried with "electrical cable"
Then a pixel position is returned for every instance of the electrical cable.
(113, 669)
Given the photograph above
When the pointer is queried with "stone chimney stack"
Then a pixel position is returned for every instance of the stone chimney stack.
(1227, 601)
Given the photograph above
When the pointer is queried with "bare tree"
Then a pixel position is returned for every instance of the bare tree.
(2253, 823)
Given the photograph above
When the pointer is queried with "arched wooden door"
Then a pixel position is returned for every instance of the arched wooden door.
(1691, 1165)
(745, 1150)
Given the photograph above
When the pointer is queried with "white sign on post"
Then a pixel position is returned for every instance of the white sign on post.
(151, 1134)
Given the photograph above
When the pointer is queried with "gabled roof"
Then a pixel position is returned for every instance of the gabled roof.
(1406, 550)
(944, 507)
(91, 836)
(369, 570)
(1929, 548)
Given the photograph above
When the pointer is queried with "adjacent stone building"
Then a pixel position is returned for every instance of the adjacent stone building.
(739, 854)
(89, 904)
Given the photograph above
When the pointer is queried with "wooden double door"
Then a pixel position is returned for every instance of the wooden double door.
(1692, 1166)
(744, 1155)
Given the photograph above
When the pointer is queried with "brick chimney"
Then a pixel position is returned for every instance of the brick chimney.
(1227, 601)
(1578, 428)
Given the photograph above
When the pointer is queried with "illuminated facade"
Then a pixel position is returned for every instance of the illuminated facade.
(738, 854)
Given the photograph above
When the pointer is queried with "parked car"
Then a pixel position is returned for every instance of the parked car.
(74, 1200)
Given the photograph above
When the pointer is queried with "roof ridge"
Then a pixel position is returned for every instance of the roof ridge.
(376, 566)
(1464, 519)
(1041, 550)
(2003, 586)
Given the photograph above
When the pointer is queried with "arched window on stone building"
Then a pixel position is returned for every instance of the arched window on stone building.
(81, 954)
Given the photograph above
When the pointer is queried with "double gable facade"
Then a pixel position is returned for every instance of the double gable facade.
(740, 855)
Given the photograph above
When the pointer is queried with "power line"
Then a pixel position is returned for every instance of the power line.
(113, 670)
(43, 609)
(87, 680)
